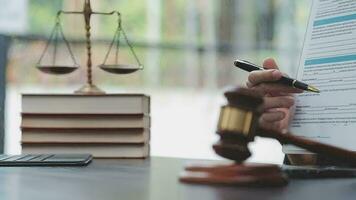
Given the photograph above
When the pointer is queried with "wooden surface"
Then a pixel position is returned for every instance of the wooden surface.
(153, 179)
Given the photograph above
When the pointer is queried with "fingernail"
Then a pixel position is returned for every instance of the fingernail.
(276, 74)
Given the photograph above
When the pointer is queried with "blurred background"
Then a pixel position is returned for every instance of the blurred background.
(187, 48)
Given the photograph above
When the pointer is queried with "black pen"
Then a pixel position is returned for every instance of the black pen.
(247, 66)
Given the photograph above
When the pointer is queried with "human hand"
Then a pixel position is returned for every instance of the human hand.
(278, 99)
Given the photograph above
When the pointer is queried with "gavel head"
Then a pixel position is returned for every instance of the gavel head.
(238, 123)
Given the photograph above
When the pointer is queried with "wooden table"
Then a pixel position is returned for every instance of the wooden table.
(152, 179)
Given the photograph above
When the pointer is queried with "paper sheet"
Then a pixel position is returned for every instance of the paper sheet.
(328, 62)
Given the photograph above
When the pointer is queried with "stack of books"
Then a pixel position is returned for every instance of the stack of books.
(107, 126)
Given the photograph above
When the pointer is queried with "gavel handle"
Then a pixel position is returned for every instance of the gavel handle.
(336, 153)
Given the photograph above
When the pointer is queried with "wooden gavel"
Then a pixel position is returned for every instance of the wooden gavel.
(238, 125)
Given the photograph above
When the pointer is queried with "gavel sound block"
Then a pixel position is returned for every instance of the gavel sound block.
(237, 127)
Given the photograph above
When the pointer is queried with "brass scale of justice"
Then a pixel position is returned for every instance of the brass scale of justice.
(116, 68)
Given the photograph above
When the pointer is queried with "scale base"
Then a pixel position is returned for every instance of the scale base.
(90, 90)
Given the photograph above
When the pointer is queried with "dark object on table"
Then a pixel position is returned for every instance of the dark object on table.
(312, 172)
(45, 160)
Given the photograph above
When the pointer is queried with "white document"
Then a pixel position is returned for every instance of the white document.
(328, 62)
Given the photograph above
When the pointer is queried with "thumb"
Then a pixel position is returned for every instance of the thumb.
(270, 63)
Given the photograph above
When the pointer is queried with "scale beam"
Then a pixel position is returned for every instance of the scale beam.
(69, 12)
(106, 13)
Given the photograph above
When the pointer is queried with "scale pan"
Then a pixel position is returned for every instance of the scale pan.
(57, 69)
(120, 68)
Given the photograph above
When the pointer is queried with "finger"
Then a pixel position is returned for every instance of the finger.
(286, 121)
(249, 85)
(276, 89)
(257, 77)
(273, 116)
(277, 102)
(270, 63)
(281, 94)
(276, 126)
